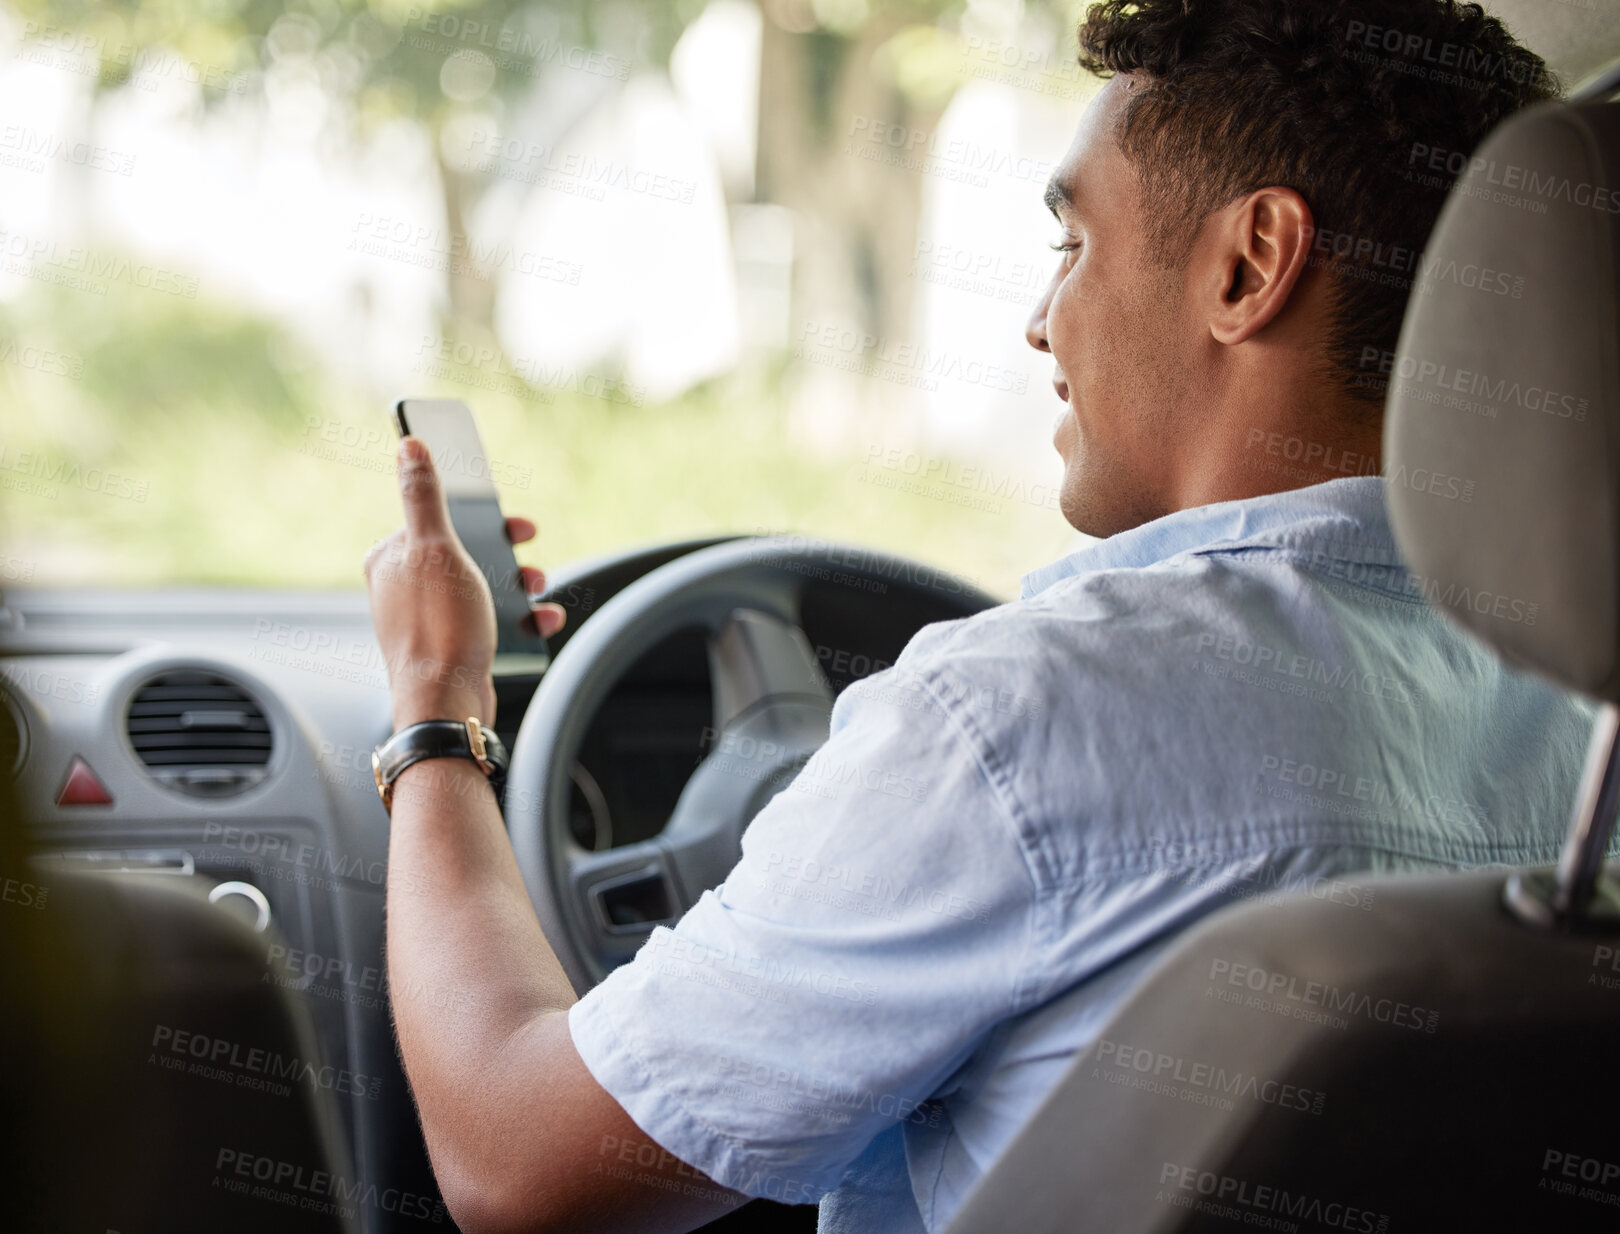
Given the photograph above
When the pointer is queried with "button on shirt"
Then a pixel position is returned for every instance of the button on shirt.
(1004, 829)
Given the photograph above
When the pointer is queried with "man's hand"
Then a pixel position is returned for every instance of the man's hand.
(431, 605)
(520, 1134)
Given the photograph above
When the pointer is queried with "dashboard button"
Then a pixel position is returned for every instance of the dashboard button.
(81, 788)
(245, 900)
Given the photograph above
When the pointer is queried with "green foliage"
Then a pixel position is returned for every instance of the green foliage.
(223, 423)
(255, 470)
(397, 49)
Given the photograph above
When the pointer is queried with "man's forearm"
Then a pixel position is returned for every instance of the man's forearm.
(468, 965)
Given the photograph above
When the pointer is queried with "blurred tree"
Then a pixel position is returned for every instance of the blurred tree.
(830, 70)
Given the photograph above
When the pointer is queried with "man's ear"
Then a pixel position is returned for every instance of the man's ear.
(1261, 243)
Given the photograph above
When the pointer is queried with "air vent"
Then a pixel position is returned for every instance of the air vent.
(200, 733)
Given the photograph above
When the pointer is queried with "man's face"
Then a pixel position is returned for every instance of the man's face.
(1117, 326)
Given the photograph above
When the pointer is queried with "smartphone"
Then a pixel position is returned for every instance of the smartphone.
(446, 427)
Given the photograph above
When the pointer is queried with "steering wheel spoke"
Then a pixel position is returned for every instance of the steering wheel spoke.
(771, 706)
(621, 894)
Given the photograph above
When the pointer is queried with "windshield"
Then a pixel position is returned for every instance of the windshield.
(696, 268)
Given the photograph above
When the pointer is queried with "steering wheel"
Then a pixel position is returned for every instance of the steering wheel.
(771, 705)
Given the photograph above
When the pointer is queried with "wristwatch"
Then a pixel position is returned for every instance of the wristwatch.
(439, 739)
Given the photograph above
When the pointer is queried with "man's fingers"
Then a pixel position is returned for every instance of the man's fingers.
(546, 618)
(549, 618)
(532, 579)
(425, 511)
(519, 529)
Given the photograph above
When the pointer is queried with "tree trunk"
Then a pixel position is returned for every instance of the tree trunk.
(856, 216)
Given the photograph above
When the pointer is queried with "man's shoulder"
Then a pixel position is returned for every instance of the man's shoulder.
(1102, 623)
(1196, 697)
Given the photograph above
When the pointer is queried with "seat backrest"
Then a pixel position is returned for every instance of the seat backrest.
(1442, 1059)
(1428, 1064)
(166, 1080)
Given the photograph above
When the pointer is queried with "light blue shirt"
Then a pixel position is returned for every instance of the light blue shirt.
(1008, 826)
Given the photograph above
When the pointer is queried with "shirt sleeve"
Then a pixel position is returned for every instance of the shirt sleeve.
(877, 927)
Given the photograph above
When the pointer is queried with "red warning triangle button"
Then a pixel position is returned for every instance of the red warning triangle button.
(81, 788)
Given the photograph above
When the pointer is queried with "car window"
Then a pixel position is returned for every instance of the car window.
(697, 268)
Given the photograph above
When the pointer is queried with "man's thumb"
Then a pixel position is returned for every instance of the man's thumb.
(425, 512)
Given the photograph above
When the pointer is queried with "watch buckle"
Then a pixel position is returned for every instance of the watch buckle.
(385, 791)
(475, 741)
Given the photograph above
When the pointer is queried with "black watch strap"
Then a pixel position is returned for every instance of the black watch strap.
(439, 739)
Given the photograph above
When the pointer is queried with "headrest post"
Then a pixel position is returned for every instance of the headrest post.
(1593, 820)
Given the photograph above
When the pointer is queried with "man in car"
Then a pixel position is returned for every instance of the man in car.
(1238, 691)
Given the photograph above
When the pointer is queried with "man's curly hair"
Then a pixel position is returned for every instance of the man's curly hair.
(1366, 108)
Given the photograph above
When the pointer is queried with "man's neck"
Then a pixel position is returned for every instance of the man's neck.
(1251, 455)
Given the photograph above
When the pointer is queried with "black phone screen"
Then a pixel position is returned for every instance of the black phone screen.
(447, 428)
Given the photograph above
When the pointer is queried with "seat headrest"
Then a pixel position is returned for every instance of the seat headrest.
(1503, 413)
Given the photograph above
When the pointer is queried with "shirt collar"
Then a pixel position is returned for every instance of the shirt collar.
(1341, 518)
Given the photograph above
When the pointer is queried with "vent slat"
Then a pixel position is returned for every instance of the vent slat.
(172, 724)
(198, 758)
(167, 693)
(225, 741)
(200, 733)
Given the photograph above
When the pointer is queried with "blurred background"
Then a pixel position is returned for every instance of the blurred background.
(697, 266)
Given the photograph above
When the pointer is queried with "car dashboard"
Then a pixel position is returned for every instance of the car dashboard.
(226, 735)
